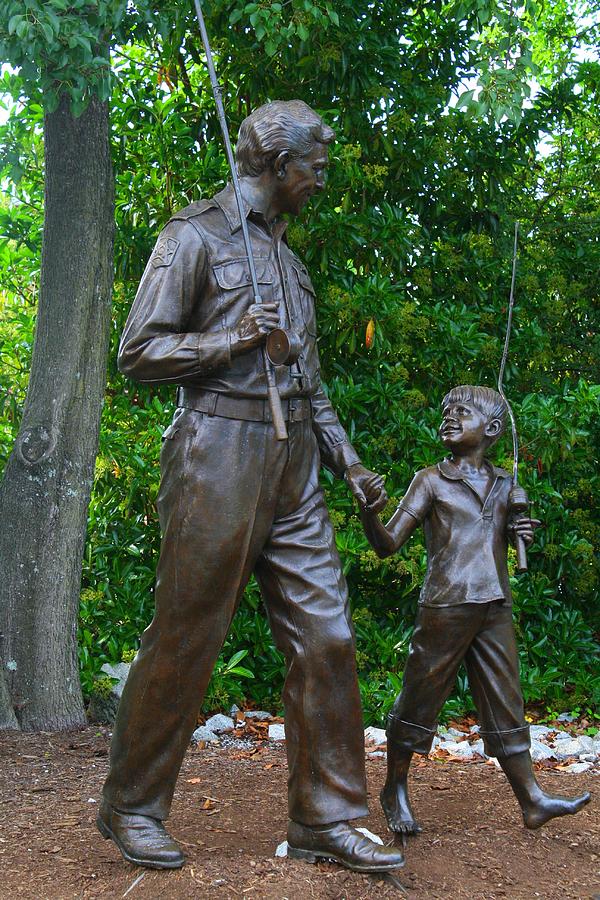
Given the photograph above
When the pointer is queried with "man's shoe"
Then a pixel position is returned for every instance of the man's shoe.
(141, 839)
(343, 844)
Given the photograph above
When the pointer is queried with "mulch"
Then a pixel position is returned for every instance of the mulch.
(230, 813)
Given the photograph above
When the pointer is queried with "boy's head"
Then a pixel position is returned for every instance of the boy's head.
(472, 416)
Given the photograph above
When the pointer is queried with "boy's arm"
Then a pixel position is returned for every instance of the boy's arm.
(386, 539)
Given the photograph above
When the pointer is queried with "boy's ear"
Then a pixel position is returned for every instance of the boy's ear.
(493, 428)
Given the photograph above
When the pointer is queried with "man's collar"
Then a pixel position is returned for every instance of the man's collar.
(227, 203)
(449, 470)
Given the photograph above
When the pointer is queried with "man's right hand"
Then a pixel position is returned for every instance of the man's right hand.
(254, 326)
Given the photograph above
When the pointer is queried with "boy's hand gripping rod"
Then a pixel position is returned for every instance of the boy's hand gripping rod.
(273, 393)
(519, 502)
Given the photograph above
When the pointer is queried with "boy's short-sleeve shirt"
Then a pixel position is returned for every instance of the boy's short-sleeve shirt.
(466, 538)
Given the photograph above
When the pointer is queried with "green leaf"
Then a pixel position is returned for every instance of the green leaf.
(13, 22)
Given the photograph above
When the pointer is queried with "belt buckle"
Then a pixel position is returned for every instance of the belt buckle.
(295, 408)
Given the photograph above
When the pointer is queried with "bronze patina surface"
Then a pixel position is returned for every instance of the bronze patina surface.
(234, 501)
(464, 611)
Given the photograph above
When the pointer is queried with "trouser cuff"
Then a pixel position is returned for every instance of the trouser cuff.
(408, 736)
(506, 743)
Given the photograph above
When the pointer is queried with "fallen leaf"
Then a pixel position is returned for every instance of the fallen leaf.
(193, 780)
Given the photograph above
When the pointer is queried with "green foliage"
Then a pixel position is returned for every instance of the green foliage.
(414, 232)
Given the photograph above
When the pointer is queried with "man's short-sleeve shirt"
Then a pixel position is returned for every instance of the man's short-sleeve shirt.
(466, 538)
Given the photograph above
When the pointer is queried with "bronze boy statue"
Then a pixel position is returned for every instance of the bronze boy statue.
(464, 608)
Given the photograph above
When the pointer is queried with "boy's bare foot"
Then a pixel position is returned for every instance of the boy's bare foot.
(397, 809)
(550, 806)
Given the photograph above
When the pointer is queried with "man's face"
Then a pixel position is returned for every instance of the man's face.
(301, 179)
(464, 427)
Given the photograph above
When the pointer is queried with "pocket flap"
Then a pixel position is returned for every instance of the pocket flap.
(304, 278)
(236, 273)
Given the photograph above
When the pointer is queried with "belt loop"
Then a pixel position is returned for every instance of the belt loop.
(179, 395)
(212, 403)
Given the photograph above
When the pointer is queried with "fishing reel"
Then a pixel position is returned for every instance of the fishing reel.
(283, 347)
(518, 504)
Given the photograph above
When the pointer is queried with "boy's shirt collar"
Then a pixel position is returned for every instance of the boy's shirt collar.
(449, 470)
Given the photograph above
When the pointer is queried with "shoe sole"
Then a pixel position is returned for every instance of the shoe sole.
(313, 856)
(146, 863)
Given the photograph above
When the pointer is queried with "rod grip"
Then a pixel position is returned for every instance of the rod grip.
(521, 554)
(277, 413)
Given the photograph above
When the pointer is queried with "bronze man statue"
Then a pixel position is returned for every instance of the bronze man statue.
(234, 501)
(464, 609)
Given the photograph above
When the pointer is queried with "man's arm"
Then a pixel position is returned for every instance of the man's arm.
(339, 456)
(156, 345)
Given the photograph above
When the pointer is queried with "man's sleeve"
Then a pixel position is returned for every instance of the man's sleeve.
(419, 496)
(156, 346)
(337, 453)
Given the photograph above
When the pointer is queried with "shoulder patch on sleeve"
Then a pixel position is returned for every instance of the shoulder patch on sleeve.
(164, 252)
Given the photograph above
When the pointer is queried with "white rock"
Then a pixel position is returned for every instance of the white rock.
(373, 837)
(281, 850)
(478, 747)
(565, 717)
(260, 715)
(474, 729)
(495, 761)
(577, 768)
(540, 751)
(276, 732)
(563, 736)
(120, 671)
(587, 743)
(375, 754)
(460, 751)
(219, 723)
(375, 735)
(564, 749)
(588, 757)
(204, 734)
(456, 732)
(538, 731)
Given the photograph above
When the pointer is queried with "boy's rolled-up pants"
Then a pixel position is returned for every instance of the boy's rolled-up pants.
(233, 500)
(482, 636)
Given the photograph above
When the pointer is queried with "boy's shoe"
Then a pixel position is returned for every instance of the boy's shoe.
(343, 844)
(142, 840)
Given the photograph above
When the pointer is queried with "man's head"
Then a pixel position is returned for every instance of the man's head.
(472, 416)
(288, 140)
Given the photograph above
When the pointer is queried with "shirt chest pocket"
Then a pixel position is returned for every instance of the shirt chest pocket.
(235, 286)
(306, 297)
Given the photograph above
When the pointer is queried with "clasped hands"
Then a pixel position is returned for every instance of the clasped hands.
(367, 487)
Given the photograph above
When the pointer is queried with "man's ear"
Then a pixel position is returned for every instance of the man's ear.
(280, 164)
(493, 428)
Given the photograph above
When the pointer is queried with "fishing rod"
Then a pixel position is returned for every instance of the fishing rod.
(272, 392)
(518, 499)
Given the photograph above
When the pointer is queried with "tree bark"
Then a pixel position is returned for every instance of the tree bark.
(45, 492)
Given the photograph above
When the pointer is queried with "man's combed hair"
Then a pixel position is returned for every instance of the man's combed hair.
(281, 125)
(486, 400)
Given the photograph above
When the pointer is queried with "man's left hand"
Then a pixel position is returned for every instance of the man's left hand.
(367, 487)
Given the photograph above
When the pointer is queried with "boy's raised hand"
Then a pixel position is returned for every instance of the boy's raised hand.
(524, 528)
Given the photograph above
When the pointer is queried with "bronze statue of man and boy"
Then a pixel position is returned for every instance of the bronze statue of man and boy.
(234, 501)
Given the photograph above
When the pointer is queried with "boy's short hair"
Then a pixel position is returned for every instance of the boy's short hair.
(486, 400)
(281, 125)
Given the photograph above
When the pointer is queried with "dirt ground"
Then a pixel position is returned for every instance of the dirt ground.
(230, 813)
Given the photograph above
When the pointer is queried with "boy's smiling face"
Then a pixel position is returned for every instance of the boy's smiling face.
(464, 427)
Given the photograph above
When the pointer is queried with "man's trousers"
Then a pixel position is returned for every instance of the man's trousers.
(233, 500)
(482, 636)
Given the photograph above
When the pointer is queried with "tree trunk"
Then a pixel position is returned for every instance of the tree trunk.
(46, 488)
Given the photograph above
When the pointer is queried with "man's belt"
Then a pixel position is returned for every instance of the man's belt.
(247, 409)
